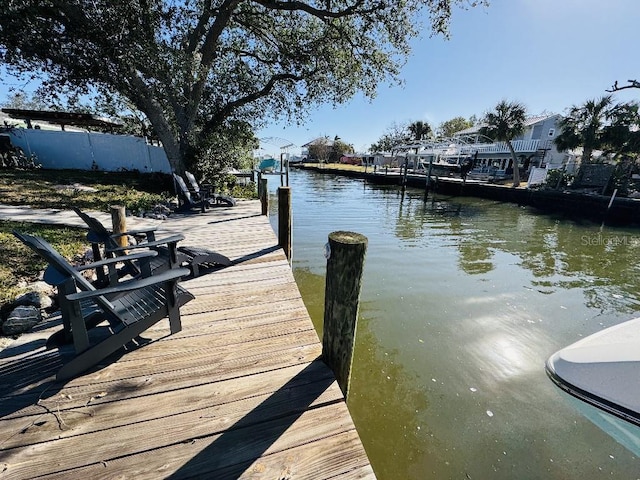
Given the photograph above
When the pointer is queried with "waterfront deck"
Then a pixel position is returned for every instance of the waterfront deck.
(240, 392)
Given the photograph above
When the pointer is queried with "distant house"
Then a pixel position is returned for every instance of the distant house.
(534, 148)
(317, 150)
(487, 159)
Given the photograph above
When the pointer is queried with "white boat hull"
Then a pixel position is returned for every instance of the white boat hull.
(602, 371)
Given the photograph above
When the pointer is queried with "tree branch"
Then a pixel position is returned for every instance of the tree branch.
(208, 51)
(615, 87)
(228, 109)
(199, 29)
(245, 53)
(320, 13)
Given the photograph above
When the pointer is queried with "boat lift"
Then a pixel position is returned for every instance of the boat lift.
(284, 145)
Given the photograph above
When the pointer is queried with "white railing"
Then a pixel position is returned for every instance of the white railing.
(501, 147)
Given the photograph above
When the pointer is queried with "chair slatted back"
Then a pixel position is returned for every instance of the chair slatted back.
(184, 190)
(192, 181)
(57, 261)
(97, 231)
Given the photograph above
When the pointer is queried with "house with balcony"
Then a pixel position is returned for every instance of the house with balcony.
(535, 149)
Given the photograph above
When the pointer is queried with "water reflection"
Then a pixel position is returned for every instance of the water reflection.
(391, 407)
(463, 300)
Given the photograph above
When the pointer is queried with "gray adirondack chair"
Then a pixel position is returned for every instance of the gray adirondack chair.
(189, 200)
(206, 192)
(194, 187)
(138, 304)
(168, 255)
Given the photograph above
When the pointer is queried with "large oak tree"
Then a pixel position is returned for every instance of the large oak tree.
(198, 67)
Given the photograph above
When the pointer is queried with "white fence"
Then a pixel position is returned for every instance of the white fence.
(57, 149)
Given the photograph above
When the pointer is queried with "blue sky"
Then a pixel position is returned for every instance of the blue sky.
(547, 54)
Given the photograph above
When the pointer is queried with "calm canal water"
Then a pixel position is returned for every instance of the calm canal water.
(463, 299)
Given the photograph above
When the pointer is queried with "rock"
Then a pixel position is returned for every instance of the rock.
(36, 299)
(155, 216)
(89, 274)
(76, 187)
(42, 287)
(87, 257)
(161, 209)
(21, 320)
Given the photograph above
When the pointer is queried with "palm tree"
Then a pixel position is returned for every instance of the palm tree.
(504, 124)
(585, 127)
(419, 129)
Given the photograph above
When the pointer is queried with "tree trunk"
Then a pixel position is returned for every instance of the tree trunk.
(586, 154)
(144, 101)
(169, 142)
(516, 167)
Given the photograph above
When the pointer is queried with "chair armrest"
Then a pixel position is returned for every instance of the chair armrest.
(173, 274)
(157, 243)
(122, 258)
(133, 233)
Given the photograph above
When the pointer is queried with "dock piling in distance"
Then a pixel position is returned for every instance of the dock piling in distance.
(263, 193)
(284, 220)
(345, 264)
(404, 175)
(427, 182)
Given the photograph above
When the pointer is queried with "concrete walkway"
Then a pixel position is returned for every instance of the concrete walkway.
(64, 217)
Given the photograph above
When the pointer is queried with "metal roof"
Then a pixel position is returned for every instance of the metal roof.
(61, 118)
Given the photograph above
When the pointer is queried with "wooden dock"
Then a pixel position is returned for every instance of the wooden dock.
(240, 392)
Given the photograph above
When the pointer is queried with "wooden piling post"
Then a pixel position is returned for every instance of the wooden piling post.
(404, 175)
(119, 221)
(259, 183)
(345, 264)
(284, 220)
(264, 196)
(287, 173)
(427, 182)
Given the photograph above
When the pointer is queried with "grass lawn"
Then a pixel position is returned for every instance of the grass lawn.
(83, 189)
(18, 264)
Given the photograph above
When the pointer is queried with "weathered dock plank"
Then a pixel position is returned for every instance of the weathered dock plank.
(239, 392)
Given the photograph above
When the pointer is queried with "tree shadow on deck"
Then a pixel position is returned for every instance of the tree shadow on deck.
(233, 219)
(239, 446)
(29, 366)
(257, 254)
(27, 374)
